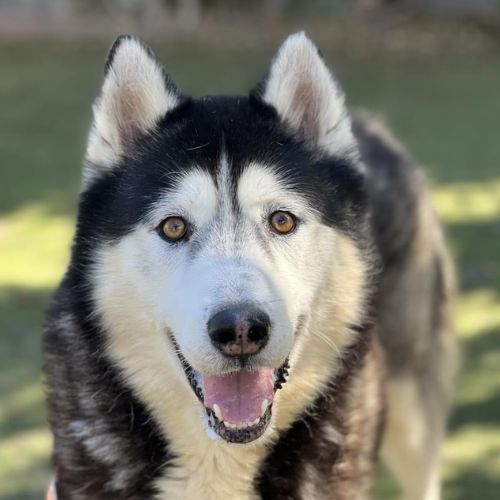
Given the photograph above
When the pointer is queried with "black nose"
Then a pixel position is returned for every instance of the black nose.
(239, 331)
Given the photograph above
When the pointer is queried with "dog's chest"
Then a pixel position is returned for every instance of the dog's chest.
(210, 469)
(215, 470)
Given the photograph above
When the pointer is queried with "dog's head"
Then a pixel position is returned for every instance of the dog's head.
(212, 227)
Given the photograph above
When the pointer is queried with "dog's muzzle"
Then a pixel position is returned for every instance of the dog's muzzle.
(238, 404)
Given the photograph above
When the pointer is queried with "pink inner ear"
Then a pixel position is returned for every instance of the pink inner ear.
(129, 107)
(306, 95)
(305, 105)
(136, 93)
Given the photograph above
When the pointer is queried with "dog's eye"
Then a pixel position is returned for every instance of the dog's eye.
(173, 228)
(282, 222)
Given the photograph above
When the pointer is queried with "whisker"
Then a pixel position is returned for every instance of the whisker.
(327, 341)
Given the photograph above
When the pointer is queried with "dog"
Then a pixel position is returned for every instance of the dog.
(258, 296)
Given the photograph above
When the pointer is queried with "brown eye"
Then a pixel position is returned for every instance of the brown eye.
(282, 222)
(174, 228)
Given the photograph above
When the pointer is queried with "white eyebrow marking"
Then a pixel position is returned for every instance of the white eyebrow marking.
(194, 196)
(259, 187)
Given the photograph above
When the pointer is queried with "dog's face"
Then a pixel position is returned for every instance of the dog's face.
(212, 225)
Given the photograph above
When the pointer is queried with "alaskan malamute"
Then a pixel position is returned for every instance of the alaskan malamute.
(257, 296)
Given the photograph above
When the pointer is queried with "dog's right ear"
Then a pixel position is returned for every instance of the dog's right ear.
(136, 93)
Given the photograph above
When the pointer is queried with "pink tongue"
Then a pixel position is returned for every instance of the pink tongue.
(239, 394)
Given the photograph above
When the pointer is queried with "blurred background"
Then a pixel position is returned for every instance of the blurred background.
(430, 68)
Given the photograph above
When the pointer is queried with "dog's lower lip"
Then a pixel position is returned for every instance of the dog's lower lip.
(239, 434)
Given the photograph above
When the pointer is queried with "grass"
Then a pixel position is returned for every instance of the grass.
(447, 112)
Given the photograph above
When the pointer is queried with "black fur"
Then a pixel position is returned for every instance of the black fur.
(83, 387)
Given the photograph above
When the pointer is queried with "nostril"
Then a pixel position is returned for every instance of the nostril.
(257, 333)
(225, 336)
(239, 331)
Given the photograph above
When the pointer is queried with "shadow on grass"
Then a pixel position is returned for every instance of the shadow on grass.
(476, 246)
(473, 482)
(22, 407)
(21, 324)
(486, 411)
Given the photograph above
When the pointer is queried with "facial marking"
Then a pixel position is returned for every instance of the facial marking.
(261, 190)
(193, 196)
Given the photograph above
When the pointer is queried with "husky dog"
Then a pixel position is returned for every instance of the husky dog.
(257, 298)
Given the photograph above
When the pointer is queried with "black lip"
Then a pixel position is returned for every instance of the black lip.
(243, 435)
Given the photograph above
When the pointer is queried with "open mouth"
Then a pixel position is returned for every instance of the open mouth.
(238, 404)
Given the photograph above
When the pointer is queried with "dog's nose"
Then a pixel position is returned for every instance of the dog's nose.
(239, 331)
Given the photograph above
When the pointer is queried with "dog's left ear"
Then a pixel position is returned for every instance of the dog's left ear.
(136, 94)
(306, 96)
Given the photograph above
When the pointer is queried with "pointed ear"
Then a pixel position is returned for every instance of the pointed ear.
(307, 97)
(135, 94)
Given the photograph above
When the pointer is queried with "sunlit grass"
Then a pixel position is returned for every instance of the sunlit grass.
(469, 201)
(433, 112)
(34, 247)
(473, 442)
(24, 471)
(476, 312)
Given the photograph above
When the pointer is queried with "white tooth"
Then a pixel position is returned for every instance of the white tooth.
(229, 425)
(263, 407)
(218, 413)
(256, 421)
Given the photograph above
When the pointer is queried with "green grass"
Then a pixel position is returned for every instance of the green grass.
(447, 112)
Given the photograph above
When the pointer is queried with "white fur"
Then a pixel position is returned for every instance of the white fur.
(194, 198)
(411, 446)
(307, 97)
(134, 96)
(144, 286)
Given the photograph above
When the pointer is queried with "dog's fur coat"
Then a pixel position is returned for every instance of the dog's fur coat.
(358, 294)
